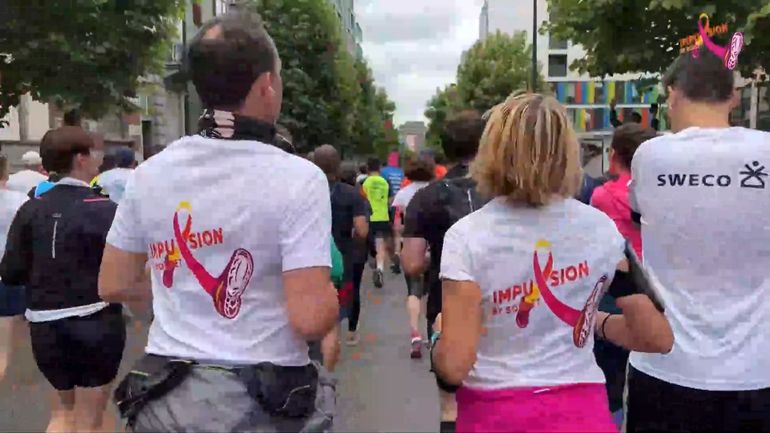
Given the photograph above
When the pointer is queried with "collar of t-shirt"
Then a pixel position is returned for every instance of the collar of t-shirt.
(71, 181)
(459, 170)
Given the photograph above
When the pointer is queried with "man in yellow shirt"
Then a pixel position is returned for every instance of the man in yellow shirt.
(376, 188)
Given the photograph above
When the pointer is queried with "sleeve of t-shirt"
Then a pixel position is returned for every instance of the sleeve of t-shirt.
(398, 200)
(306, 225)
(17, 257)
(359, 205)
(456, 260)
(126, 232)
(417, 216)
(598, 199)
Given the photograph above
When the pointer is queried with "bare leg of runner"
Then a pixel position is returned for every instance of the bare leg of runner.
(62, 412)
(382, 253)
(6, 341)
(91, 409)
(448, 408)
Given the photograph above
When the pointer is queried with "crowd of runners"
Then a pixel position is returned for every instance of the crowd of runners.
(643, 308)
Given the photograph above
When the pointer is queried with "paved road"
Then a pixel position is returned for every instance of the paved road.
(380, 388)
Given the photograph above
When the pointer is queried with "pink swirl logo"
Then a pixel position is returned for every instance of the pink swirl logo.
(226, 290)
(728, 54)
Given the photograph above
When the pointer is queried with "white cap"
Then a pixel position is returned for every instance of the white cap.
(31, 158)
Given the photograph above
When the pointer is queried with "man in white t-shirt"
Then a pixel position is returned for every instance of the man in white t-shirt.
(31, 176)
(113, 181)
(236, 232)
(703, 198)
(12, 303)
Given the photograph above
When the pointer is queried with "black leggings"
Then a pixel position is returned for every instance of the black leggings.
(355, 307)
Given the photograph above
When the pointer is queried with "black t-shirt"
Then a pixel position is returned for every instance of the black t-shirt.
(347, 204)
(426, 218)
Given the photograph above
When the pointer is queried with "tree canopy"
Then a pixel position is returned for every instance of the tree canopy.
(490, 71)
(329, 97)
(87, 54)
(622, 36)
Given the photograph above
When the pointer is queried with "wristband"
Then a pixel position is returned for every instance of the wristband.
(434, 338)
(604, 323)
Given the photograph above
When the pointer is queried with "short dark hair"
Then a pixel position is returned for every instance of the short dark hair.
(419, 169)
(461, 135)
(348, 173)
(62, 145)
(373, 164)
(363, 169)
(627, 138)
(72, 118)
(223, 68)
(636, 117)
(701, 79)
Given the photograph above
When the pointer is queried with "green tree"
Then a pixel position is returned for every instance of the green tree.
(372, 134)
(490, 71)
(445, 103)
(622, 36)
(494, 68)
(87, 54)
(320, 89)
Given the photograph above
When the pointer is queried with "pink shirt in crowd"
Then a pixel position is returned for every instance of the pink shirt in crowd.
(612, 199)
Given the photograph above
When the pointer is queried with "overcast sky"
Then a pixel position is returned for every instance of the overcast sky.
(414, 46)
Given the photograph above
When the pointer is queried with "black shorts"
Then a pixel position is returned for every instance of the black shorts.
(654, 405)
(415, 286)
(80, 351)
(381, 229)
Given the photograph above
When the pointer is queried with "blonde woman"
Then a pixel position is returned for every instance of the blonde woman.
(522, 278)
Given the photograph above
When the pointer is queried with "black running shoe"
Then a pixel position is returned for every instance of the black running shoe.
(396, 266)
(377, 278)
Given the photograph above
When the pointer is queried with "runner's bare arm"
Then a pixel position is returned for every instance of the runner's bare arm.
(455, 352)
(361, 227)
(311, 302)
(641, 327)
(413, 257)
(122, 276)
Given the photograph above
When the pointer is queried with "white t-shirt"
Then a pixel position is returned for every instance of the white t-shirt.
(114, 182)
(10, 202)
(704, 197)
(505, 249)
(404, 195)
(24, 181)
(249, 212)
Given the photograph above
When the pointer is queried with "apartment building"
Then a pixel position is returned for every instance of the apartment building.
(587, 98)
(350, 29)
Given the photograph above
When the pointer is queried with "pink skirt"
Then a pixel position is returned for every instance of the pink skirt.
(563, 408)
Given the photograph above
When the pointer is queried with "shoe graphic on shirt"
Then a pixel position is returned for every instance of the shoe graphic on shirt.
(581, 321)
(226, 290)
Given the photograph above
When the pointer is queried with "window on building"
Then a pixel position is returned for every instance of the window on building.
(557, 44)
(599, 93)
(557, 65)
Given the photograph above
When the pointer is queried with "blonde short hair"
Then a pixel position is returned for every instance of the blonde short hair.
(529, 152)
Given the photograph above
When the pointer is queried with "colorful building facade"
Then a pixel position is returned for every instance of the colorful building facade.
(588, 102)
